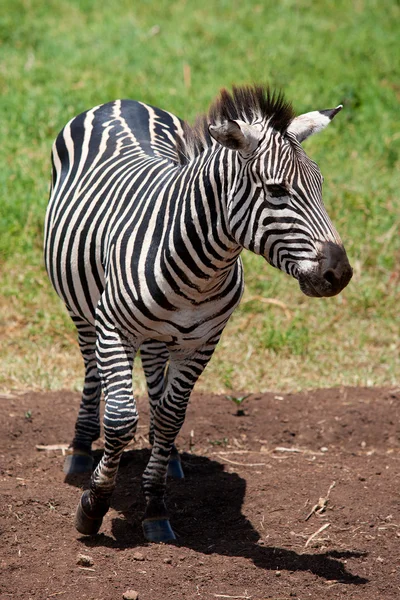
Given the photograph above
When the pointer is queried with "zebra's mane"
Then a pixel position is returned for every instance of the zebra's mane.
(247, 103)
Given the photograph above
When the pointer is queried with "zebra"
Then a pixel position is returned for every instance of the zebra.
(145, 224)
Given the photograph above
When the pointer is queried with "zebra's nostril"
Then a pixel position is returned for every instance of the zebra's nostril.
(330, 277)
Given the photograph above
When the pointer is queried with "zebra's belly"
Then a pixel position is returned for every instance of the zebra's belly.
(183, 325)
(145, 305)
(184, 331)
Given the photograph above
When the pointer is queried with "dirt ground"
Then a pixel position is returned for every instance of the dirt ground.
(240, 514)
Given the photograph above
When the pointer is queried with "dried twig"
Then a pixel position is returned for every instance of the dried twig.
(62, 447)
(237, 452)
(233, 462)
(144, 439)
(330, 489)
(246, 597)
(187, 76)
(297, 450)
(273, 301)
(322, 503)
(314, 535)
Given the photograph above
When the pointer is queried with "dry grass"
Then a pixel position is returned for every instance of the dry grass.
(314, 343)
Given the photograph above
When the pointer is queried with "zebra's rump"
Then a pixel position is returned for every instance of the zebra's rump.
(109, 130)
(100, 159)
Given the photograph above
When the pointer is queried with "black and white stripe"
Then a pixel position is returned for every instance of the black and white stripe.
(145, 224)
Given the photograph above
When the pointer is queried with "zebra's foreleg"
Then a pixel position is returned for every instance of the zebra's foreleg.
(154, 357)
(87, 427)
(169, 416)
(115, 361)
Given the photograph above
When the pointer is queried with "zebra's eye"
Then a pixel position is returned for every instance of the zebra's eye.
(276, 191)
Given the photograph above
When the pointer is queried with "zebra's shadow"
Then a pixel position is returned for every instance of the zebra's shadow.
(206, 514)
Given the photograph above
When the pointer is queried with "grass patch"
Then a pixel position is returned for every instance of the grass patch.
(59, 58)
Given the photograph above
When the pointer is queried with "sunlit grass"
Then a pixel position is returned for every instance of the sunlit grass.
(59, 58)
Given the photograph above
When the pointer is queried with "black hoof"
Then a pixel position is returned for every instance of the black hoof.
(86, 524)
(78, 463)
(158, 530)
(175, 469)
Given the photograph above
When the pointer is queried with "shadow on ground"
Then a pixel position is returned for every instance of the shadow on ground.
(206, 515)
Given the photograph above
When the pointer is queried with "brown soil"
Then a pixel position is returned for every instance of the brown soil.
(240, 513)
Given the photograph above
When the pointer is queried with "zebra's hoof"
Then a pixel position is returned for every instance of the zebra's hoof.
(86, 524)
(175, 469)
(158, 530)
(78, 463)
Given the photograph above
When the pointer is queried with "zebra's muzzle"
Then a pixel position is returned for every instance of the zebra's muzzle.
(331, 275)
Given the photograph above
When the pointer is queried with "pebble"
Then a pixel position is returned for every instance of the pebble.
(168, 561)
(137, 556)
(84, 560)
(130, 595)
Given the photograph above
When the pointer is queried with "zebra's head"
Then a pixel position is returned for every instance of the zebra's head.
(275, 203)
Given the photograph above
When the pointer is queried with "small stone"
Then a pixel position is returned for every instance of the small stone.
(261, 543)
(130, 595)
(168, 561)
(84, 560)
(137, 556)
(278, 573)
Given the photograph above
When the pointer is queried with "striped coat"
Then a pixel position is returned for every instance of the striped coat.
(146, 221)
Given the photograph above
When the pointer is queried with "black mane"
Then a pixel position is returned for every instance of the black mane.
(247, 103)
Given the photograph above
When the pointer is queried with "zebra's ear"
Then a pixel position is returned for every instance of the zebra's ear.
(235, 135)
(312, 122)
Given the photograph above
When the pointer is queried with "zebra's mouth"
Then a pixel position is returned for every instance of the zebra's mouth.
(329, 275)
(323, 287)
(307, 287)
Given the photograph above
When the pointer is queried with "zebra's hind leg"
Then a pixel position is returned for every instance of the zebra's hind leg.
(115, 361)
(154, 356)
(87, 427)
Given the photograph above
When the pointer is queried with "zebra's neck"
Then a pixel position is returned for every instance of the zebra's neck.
(200, 247)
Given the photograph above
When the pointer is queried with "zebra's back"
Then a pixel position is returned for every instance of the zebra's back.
(100, 160)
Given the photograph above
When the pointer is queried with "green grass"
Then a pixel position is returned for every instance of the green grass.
(59, 58)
